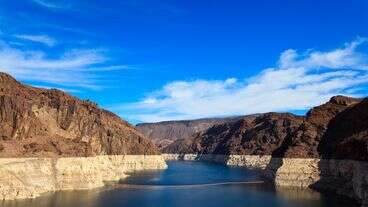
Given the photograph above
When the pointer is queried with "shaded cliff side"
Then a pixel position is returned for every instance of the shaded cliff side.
(48, 123)
(165, 133)
(336, 129)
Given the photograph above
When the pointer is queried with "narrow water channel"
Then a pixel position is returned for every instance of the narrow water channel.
(188, 184)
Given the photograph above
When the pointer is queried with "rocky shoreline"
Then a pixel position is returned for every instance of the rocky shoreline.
(344, 177)
(22, 178)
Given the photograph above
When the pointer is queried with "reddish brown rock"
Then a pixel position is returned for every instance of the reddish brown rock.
(336, 129)
(166, 132)
(347, 133)
(252, 135)
(42, 122)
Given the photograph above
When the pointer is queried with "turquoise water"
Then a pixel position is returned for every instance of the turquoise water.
(181, 185)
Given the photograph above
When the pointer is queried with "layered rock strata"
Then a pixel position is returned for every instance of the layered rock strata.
(30, 177)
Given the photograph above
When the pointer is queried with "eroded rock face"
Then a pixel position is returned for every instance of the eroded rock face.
(30, 177)
(165, 133)
(336, 129)
(49, 123)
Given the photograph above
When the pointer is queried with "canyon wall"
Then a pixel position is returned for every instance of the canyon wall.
(337, 129)
(344, 177)
(30, 177)
(327, 149)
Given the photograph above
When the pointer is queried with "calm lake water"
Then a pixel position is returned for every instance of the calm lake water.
(177, 186)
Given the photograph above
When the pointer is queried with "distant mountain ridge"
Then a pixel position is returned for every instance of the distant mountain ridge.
(166, 132)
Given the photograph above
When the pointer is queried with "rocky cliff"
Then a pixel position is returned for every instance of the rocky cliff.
(165, 133)
(48, 123)
(336, 129)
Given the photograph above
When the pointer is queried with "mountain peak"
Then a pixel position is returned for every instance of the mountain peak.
(344, 100)
(6, 78)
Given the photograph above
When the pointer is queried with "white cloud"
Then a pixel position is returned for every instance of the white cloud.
(74, 69)
(44, 39)
(346, 57)
(297, 83)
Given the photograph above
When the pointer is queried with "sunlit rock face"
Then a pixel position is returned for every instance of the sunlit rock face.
(47, 123)
(30, 177)
(52, 141)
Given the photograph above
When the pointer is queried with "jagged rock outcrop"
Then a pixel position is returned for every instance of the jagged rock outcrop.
(165, 133)
(48, 123)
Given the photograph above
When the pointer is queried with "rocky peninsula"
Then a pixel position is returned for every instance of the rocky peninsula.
(52, 141)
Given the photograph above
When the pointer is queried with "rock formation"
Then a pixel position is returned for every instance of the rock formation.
(165, 133)
(52, 141)
(254, 135)
(327, 149)
(47, 123)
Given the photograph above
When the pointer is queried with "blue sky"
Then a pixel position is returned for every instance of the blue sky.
(160, 60)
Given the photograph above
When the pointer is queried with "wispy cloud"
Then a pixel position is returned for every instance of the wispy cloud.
(298, 82)
(346, 57)
(44, 39)
(73, 70)
(49, 4)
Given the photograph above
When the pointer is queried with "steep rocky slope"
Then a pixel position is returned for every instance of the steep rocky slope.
(48, 123)
(347, 133)
(336, 129)
(165, 133)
